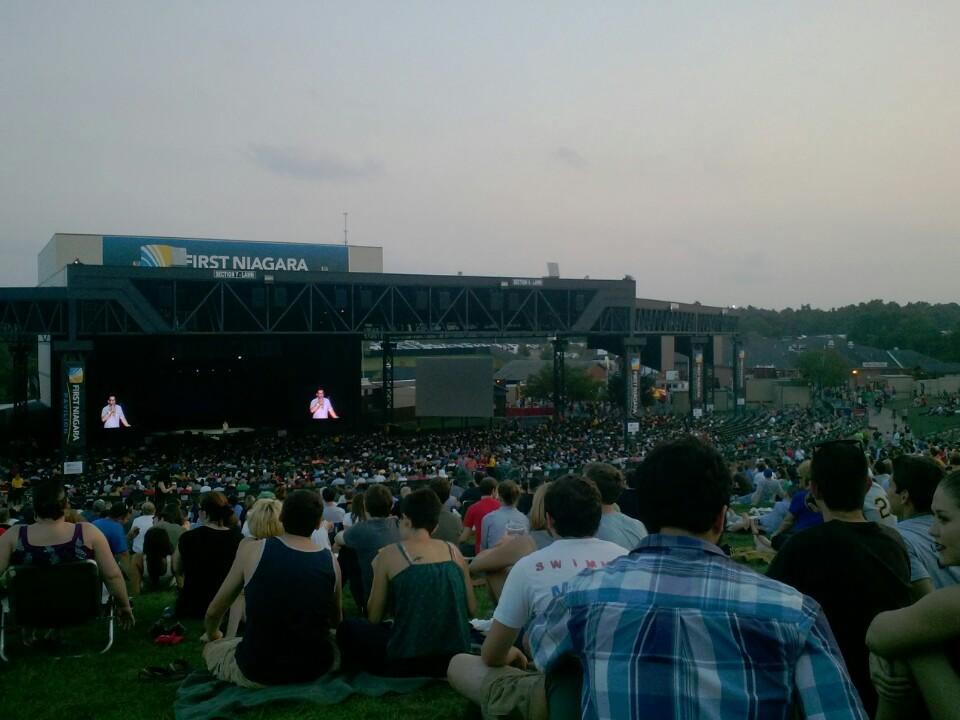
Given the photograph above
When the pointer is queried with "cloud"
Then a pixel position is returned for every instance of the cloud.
(308, 164)
(570, 157)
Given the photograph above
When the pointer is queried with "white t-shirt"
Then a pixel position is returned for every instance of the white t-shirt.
(531, 584)
(321, 411)
(321, 539)
(113, 420)
(143, 523)
(876, 506)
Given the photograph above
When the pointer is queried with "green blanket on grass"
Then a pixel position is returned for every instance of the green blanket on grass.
(201, 696)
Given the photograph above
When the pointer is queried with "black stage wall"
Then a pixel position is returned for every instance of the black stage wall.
(183, 382)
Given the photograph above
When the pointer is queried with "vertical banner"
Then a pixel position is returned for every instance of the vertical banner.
(635, 401)
(74, 404)
(708, 381)
(696, 389)
(740, 379)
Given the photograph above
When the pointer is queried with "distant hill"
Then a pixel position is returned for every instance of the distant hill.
(782, 353)
(931, 330)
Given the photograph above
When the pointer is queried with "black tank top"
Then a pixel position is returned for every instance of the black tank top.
(288, 602)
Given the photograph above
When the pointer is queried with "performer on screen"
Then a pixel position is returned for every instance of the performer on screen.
(320, 407)
(112, 414)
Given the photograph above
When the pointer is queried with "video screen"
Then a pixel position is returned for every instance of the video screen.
(112, 416)
(321, 406)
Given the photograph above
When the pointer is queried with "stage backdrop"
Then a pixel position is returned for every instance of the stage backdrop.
(198, 382)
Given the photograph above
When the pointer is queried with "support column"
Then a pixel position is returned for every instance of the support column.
(697, 376)
(739, 377)
(387, 348)
(667, 347)
(19, 383)
(559, 377)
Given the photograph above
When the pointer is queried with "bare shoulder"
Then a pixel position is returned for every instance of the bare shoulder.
(90, 531)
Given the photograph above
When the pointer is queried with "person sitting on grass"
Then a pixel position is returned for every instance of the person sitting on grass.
(138, 531)
(449, 526)
(473, 518)
(496, 680)
(204, 555)
(676, 629)
(506, 519)
(366, 538)
(615, 527)
(157, 561)
(52, 540)
(425, 585)
(495, 563)
(915, 660)
(292, 591)
(263, 521)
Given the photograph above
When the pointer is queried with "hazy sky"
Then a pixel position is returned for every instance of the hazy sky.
(766, 153)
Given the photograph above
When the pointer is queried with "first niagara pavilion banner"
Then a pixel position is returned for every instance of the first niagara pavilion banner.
(74, 404)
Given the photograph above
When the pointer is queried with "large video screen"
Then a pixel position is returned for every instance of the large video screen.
(204, 382)
(454, 387)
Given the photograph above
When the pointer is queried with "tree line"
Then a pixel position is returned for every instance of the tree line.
(931, 329)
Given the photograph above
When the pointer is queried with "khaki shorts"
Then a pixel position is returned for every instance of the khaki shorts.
(508, 692)
(221, 659)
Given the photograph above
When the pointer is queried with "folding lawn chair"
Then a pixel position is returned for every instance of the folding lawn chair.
(55, 597)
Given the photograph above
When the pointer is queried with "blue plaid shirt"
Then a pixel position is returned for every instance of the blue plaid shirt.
(678, 630)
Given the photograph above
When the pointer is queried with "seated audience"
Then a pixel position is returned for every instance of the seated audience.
(52, 540)
(625, 531)
(910, 492)
(803, 512)
(138, 531)
(156, 559)
(292, 592)
(505, 519)
(112, 528)
(852, 567)
(263, 521)
(449, 526)
(366, 538)
(676, 629)
(205, 554)
(473, 519)
(424, 585)
(494, 564)
(915, 665)
(573, 508)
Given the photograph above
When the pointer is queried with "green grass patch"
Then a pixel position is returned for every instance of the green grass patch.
(35, 686)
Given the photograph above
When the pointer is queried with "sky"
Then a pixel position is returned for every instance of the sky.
(732, 153)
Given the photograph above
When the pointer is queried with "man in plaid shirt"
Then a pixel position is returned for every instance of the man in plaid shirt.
(678, 630)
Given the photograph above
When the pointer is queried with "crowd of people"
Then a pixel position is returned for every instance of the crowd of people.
(614, 594)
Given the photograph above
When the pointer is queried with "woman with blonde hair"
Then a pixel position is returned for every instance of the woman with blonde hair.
(496, 562)
(263, 521)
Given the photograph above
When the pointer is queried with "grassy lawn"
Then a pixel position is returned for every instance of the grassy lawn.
(35, 686)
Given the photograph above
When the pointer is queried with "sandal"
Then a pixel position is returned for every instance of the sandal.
(174, 672)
